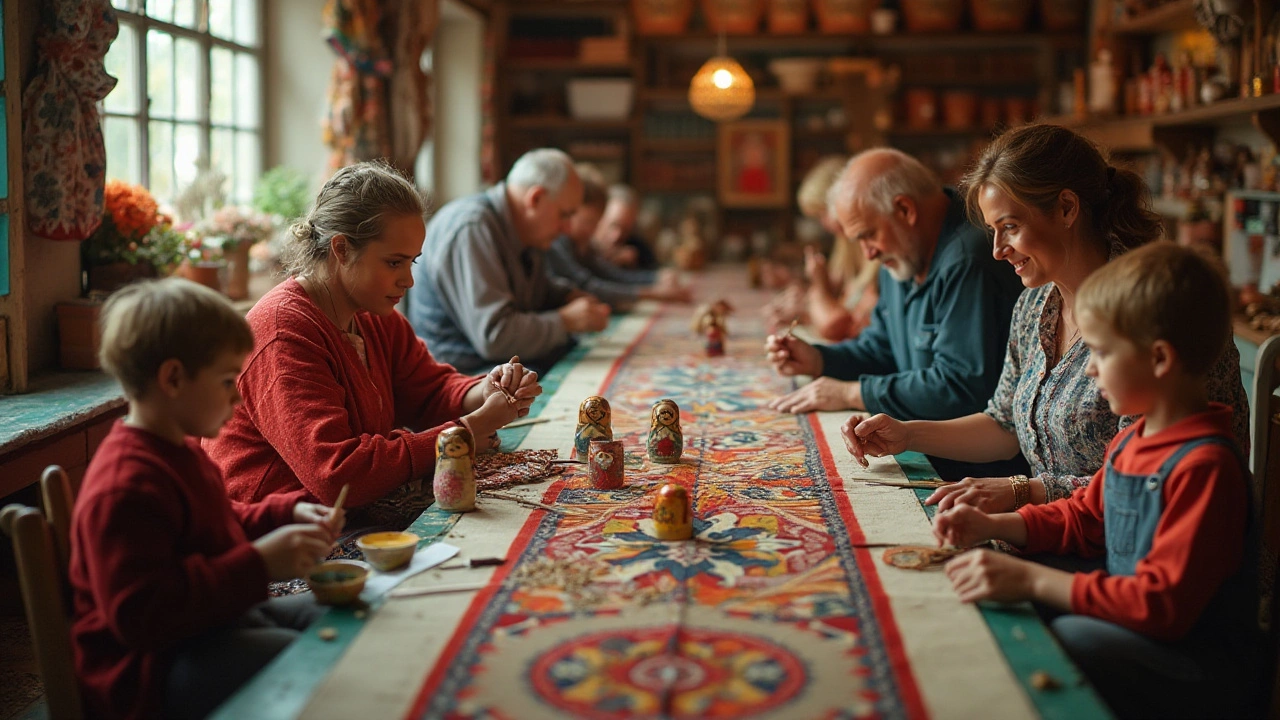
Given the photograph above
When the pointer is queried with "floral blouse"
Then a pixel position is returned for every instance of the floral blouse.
(1062, 422)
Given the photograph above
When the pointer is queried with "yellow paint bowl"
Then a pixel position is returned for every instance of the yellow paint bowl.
(388, 550)
(338, 582)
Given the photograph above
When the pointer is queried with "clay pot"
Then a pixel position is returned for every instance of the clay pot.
(113, 276)
(237, 287)
(959, 109)
(1000, 15)
(845, 16)
(735, 17)
(788, 17)
(208, 274)
(661, 17)
(922, 108)
(926, 16)
(1063, 15)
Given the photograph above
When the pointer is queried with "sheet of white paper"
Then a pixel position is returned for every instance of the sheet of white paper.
(424, 559)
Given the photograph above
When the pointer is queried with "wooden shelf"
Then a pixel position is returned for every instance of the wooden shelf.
(679, 144)
(556, 122)
(817, 42)
(1176, 16)
(938, 132)
(566, 64)
(1144, 133)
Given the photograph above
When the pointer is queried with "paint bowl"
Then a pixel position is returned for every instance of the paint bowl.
(388, 550)
(337, 582)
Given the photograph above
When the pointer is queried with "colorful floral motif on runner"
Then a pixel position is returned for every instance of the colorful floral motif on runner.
(771, 611)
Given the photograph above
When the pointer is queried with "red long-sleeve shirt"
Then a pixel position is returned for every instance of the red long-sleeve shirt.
(315, 418)
(159, 554)
(1199, 540)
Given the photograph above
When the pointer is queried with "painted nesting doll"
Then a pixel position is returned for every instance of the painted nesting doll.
(672, 513)
(455, 478)
(709, 322)
(666, 441)
(595, 422)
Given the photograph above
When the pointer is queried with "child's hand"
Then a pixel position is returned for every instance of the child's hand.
(322, 515)
(292, 550)
(989, 575)
(962, 526)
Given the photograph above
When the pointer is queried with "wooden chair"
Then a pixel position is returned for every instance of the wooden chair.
(42, 549)
(1264, 462)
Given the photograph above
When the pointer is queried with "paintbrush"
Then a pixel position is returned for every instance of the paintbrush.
(437, 590)
(914, 484)
(790, 329)
(524, 422)
(533, 503)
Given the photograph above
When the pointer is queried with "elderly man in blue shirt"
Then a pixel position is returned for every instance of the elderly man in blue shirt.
(938, 336)
(482, 293)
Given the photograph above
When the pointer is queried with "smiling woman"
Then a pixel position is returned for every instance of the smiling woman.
(338, 390)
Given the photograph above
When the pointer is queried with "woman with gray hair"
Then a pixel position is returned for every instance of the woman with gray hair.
(338, 390)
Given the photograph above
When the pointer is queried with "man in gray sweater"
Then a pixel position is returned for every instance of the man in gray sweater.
(482, 293)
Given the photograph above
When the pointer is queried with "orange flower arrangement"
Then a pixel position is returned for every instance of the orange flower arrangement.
(131, 208)
(133, 230)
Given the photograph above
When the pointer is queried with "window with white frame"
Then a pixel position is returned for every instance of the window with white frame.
(189, 90)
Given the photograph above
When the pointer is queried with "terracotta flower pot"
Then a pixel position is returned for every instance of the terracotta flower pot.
(113, 276)
(737, 17)
(237, 287)
(922, 108)
(208, 274)
(661, 17)
(845, 16)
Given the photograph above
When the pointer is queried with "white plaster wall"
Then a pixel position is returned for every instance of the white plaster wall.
(298, 63)
(458, 61)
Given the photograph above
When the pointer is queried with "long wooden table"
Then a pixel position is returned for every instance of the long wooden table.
(780, 607)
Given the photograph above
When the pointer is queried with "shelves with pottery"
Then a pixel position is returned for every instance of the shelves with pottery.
(1176, 129)
(678, 145)
(819, 42)
(573, 65)
(1176, 16)
(561, 122)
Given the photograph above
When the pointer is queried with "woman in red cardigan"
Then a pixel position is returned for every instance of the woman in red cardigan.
(338, 390)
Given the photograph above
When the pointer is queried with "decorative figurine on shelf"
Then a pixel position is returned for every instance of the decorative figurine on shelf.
(595, 422)
(666, 442)
(605, 461)
(672, 513)
(455, 478)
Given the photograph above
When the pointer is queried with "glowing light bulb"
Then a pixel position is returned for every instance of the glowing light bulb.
(722, 78)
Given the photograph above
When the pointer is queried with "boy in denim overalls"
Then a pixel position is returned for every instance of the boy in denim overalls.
(1165, 630)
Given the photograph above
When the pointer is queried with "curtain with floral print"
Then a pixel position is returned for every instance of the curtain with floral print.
(64, 157)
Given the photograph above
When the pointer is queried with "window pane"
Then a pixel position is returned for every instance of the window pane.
(160, 9)
(122, 4)
(160, 160)
(247, 22)
(186, 153)
(120, 137)
(160, 73)
(121, 62)
(247, 166)
(187, 69)
(246, 90)
(184, 13)
(220, 84)
(220, 18)
(222, 152)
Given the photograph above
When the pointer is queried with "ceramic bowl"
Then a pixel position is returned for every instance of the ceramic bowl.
(338, 582)
(388, 550)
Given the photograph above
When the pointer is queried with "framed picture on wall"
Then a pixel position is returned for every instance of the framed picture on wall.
(753, 163)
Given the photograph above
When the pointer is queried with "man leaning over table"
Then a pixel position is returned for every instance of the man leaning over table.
(936, 342)
(482, 290)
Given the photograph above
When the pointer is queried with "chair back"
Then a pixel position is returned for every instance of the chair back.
(42, 551)
(1264, 462)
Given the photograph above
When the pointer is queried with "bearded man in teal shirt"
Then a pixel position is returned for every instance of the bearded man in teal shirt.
(939, 333)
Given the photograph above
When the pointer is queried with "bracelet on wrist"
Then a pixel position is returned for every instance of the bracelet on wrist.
(1021, 490)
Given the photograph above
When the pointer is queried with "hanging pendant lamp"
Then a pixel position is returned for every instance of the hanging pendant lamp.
(721, 90)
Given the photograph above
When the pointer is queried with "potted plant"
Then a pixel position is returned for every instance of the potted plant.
(284, 194)
(135, 240)
(203, 261)
(234, 230)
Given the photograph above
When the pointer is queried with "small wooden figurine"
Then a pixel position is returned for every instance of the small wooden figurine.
(672, 513)
(595, 422)
(455, 478)
(709, 322)
(605, 460)
(666, 442)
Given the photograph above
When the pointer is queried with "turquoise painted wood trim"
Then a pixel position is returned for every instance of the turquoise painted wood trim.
(4, 255)
(4, 150)
(283, 688)
(1023, 638)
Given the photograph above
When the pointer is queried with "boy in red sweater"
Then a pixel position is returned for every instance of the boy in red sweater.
(168, 576)
(1159, 632)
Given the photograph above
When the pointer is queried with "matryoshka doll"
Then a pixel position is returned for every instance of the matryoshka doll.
(455, 478)
(672, 513)
(666, 441)
(595, 422)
